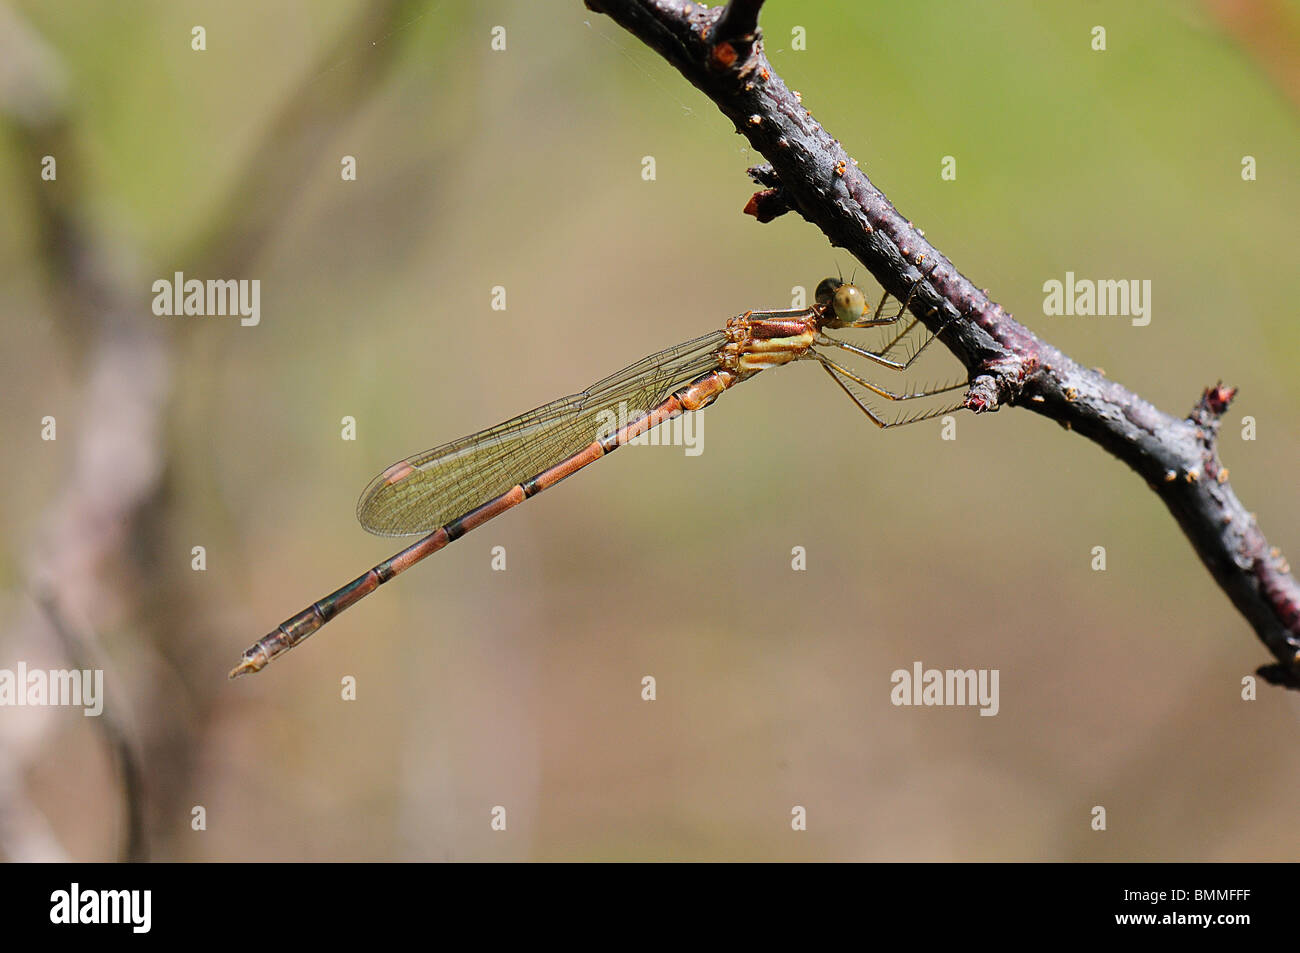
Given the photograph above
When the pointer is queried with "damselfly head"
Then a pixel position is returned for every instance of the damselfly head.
(845, 303)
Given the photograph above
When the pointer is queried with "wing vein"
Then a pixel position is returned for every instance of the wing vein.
(429, 489)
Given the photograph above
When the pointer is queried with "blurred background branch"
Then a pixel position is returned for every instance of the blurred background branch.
(93, 559)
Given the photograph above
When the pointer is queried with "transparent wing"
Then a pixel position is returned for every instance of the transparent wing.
(430, 489)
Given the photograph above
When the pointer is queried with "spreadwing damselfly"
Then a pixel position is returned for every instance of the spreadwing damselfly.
(445, 492)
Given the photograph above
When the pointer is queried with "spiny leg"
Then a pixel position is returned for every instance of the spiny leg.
(876, 418)
(901, 335)
(882, 356)
(846, 379)
(879, 356)
(830, 366)
(884, 351)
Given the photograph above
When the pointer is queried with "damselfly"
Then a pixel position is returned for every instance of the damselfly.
(450, 490)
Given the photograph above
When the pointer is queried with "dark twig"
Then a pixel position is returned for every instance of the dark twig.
(739, 21)
(736, 31)
(771, 202)
(811, 173)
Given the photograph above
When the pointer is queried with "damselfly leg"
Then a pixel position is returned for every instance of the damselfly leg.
(850, 311)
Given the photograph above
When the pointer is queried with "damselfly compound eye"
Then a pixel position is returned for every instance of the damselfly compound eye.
(850, 304)
(826, 290)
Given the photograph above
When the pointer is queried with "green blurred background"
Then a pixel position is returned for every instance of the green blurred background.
(521, 688)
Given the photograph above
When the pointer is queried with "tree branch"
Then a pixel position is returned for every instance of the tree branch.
(721, 53)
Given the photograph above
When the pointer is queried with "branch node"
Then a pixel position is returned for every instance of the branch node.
(735, 35)
(772, 202)
(767, 205)
(1213, 403)
(983, 395)
(738, 23)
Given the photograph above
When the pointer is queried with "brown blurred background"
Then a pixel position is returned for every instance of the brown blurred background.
(522, 168)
